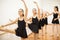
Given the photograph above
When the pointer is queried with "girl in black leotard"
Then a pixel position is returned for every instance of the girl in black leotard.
(43, 22)
(55, 20)
(55, 15)
(21, 30)
(21, 21)
(34, 25)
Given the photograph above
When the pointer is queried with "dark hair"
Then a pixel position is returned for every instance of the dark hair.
(57, 8)
(22, 14)
(34, 9)
(22, 11)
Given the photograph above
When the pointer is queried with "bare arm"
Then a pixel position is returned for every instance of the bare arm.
(48, 14)
(29, 20)
(26, 10)
(10, 23)
(59, 14)
(38, 10)
(57, 18)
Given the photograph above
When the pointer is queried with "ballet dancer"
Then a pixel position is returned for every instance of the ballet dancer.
(55, 15)
(34, 25)
(21, 21)
(55, 20)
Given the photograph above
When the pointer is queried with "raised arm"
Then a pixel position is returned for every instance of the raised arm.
(38, 10)
(10, 23)
(26, 10)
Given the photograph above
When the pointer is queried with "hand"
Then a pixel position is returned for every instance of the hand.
(22, 0)
(10, 20)
(35, 2)
(55, 19)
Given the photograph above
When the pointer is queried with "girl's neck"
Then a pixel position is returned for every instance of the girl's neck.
(55, 11)
(34, 16)
(21, 18)
(43, 16)
(40, 16)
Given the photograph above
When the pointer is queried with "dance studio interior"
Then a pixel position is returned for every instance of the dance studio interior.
(9, 12)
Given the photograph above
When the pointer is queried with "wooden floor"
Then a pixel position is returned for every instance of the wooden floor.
(46, 33)
(44, 37)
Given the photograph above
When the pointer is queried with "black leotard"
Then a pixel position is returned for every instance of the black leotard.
(55, 21)
(34, 25)
(46, 21)
(40, 24)
(21, 30)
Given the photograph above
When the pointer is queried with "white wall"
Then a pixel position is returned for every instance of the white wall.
(9, 10)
